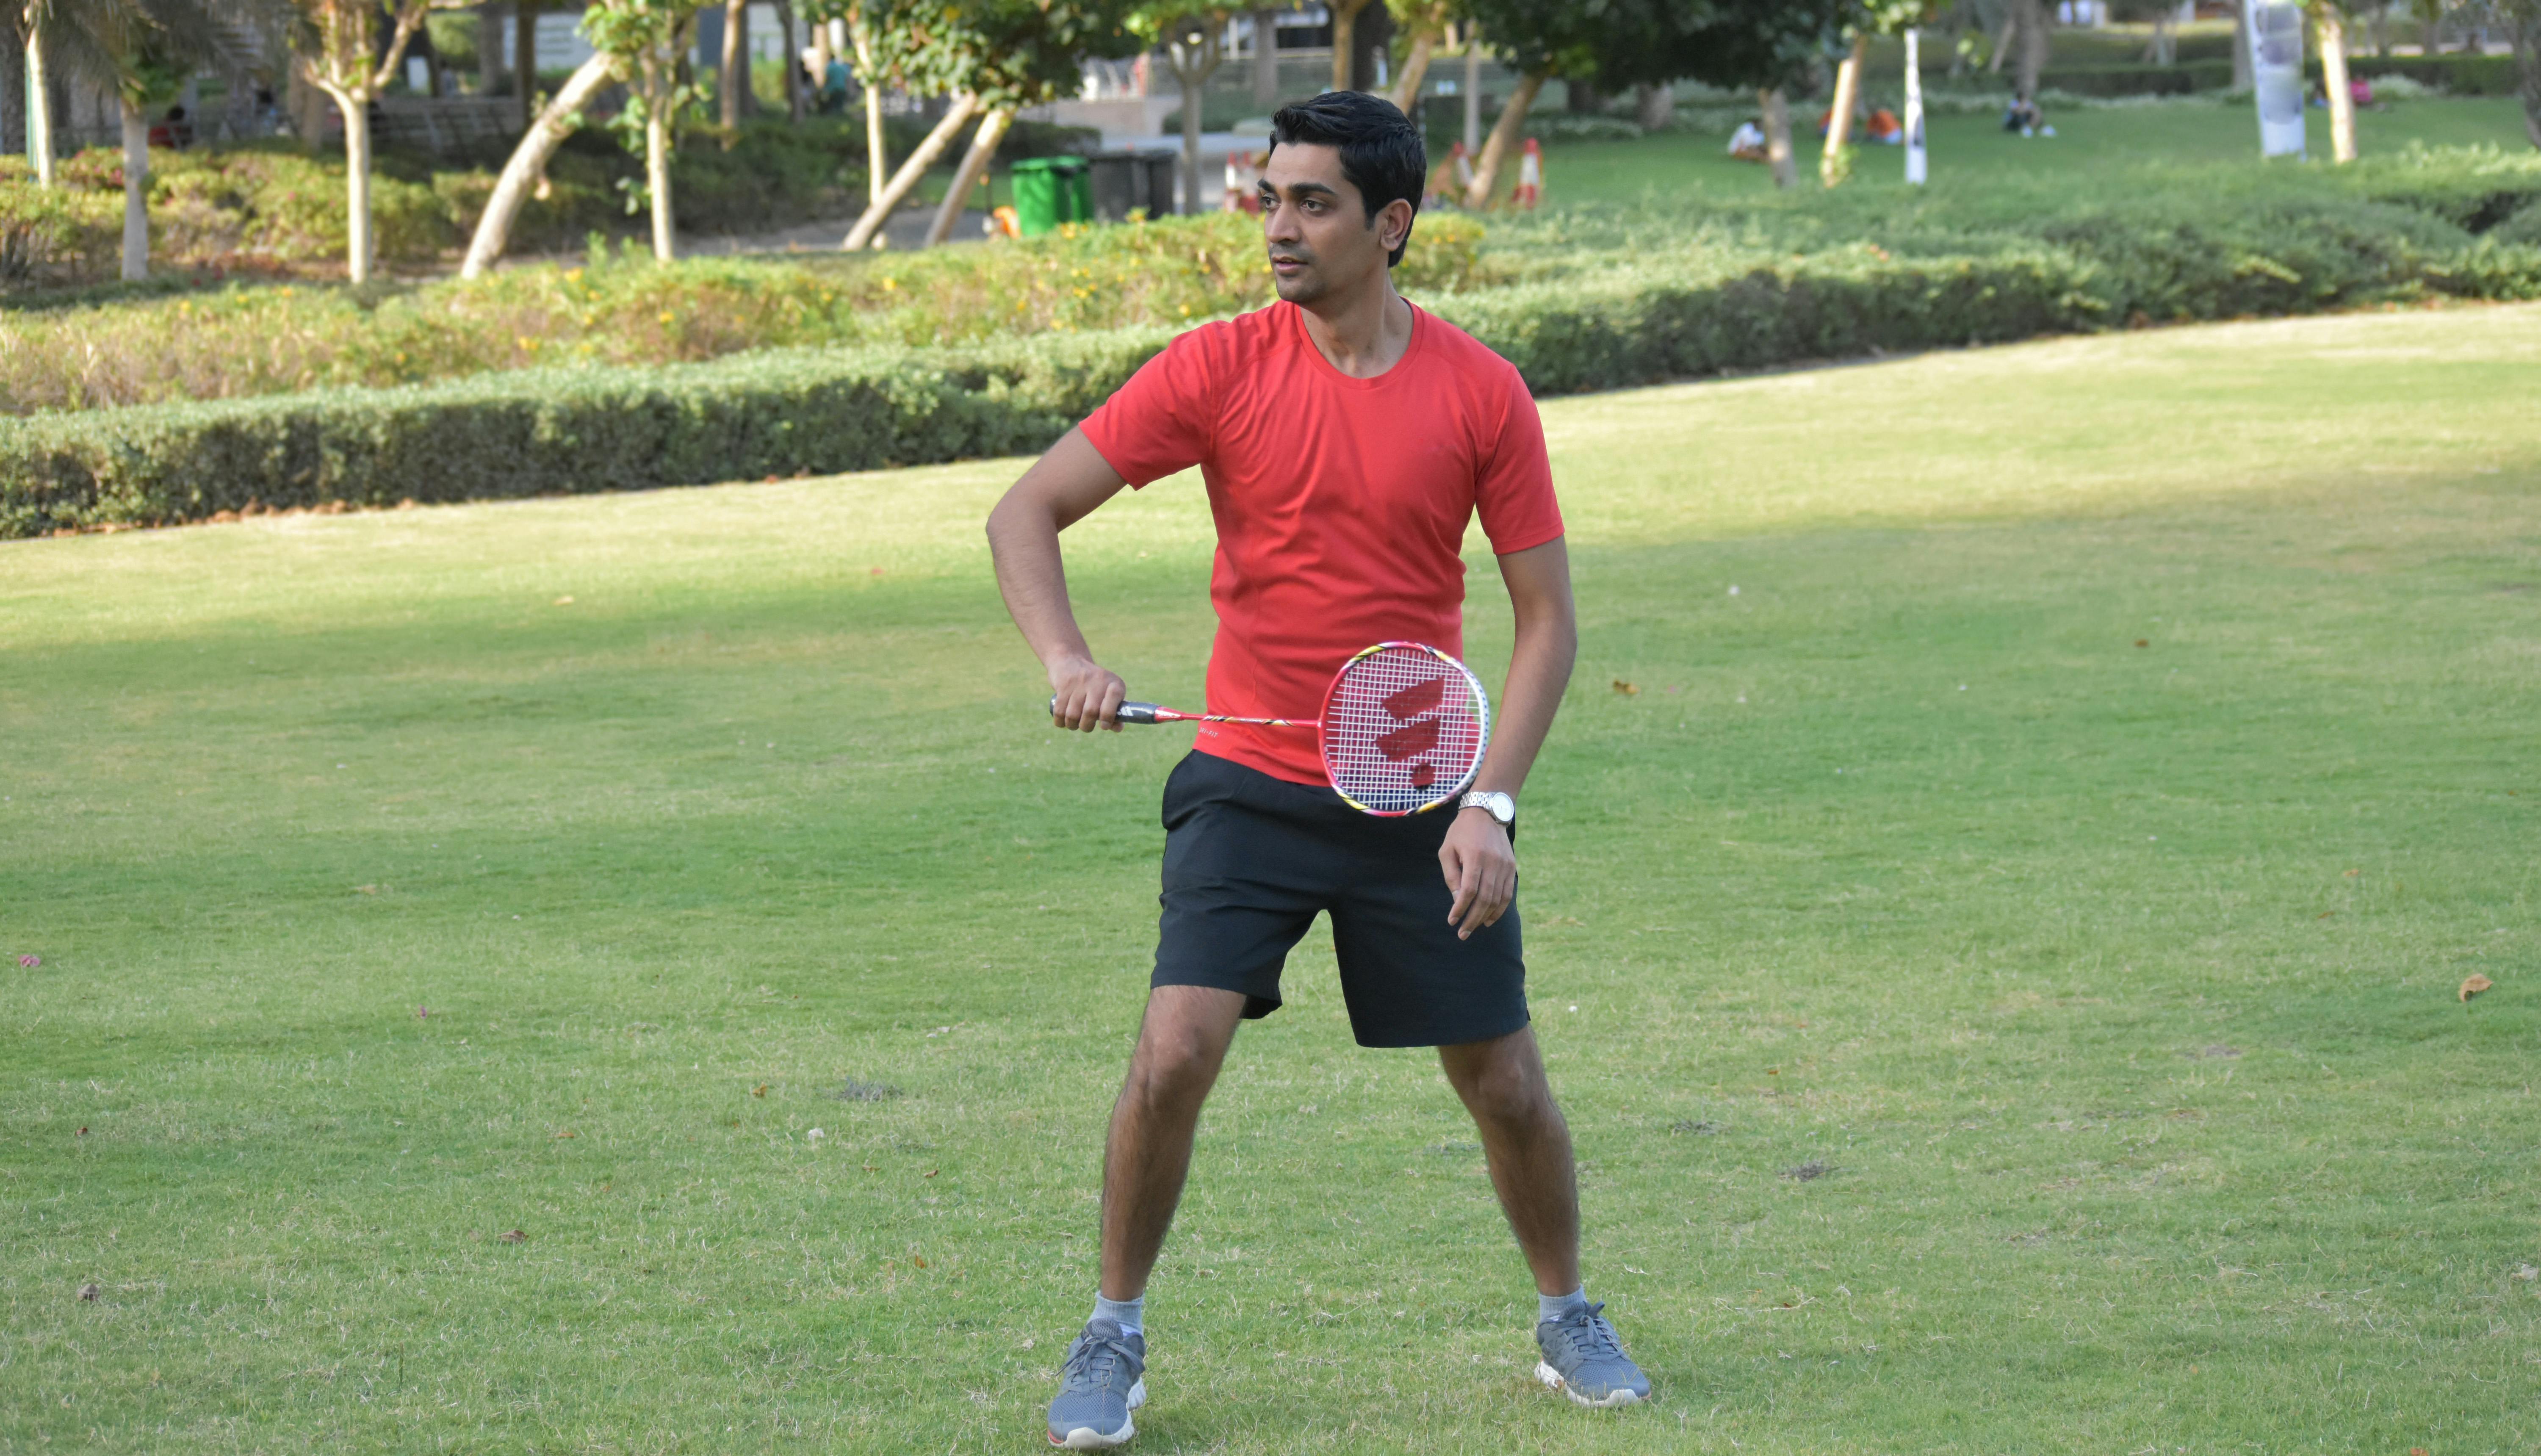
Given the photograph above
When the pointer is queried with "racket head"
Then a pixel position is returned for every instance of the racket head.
(1404, 729)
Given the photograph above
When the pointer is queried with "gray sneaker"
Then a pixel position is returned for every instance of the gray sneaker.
(1101, 1385)
(1584, 1361)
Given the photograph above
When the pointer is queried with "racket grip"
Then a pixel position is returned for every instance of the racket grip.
(1130, 712)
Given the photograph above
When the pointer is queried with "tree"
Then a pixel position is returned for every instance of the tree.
(992, 59)
(648, 36)
(1345, 14)
(1866, 19)
(546, 132)
(141, 51)
(2525, 16)
(1766, 46)
(2163, 49)
(1194, 42)
(1545, 39)
(2329, 18)
(343, 54)
(1427, 22)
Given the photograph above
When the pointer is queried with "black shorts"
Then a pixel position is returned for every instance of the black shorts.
(1249, 861)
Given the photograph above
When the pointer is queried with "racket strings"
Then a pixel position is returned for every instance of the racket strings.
(1404, 727)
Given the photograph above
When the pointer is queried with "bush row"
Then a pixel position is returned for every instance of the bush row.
(548, 430)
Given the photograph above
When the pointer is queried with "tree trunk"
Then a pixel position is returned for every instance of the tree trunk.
(2003, 41)
(1655, 106)
(2333, 76)
(13, 99)
(876, 160)
(1266, 58)
(39, 109)
(1848, 86)
(530, 158)
(2528, 65)
(491, 19)
(1345, 14)
(1192, 82)
(1473, 88)
(793, 62)
(1416, 70)
(903, 182)
(2243, 77)
(136, 194)
(357, 185)
(525, 59)
(732, 78)
(2033, 44)
(1777, 108)
(657, 166)
(975, 165)
(1504, 140)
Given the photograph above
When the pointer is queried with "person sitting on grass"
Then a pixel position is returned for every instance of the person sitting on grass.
(1746, 143)
(1345, 439)
(1884, 129)
(2024, 116)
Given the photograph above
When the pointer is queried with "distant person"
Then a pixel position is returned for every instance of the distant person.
(1884, 129)
(1746, 143)
(173, 130)
(834, 87)
(2024, 116)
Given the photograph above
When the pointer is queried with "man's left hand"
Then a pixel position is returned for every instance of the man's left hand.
(1480, 870)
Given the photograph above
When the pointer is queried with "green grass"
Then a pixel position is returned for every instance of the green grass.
(2138, 141)
(2114, 983)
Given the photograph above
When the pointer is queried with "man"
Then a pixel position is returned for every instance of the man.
(1345, 438)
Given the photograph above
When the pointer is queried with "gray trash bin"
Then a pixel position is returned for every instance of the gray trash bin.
(1126, 181)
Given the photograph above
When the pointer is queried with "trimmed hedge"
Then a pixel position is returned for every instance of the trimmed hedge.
(2398, 231)
(554, 431)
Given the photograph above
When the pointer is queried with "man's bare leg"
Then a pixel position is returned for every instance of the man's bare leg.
(1528, 1147)
(1182, 1044)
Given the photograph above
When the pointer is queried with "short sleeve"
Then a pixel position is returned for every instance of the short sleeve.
(1513, 495)
(1163, 420)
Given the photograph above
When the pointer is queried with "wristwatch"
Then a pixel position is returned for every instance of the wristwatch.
(1499, 805)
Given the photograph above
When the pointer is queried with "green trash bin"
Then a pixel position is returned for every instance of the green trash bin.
(1049, 190)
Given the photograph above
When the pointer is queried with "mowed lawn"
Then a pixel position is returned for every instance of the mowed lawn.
(1996, 897)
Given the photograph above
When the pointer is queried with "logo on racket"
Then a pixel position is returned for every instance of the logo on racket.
(1403, 729)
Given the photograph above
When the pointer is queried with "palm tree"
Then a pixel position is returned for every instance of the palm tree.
(142, 50)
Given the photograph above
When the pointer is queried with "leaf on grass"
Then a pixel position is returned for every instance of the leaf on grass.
(564, 1133)
(2352, 874)
(2144, 642)
(931, 1172)
(564, 601)
(758, 1091)
(366, 889)
(918, 1258)
(90, 1292)
(1628, 690)
(424, 1013)
(30, 962)
(2474, 985)
(513, 1236)
(1812, 1169)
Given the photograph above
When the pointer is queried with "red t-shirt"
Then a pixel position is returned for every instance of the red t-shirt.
(1341, 503)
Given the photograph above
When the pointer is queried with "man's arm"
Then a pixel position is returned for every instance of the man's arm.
(1061, 489)
(1479, 865)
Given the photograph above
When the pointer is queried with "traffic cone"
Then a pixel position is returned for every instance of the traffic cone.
(1530, 176)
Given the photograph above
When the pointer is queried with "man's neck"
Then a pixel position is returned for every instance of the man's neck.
(1365, 335)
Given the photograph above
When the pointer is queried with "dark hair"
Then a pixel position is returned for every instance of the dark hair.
(1381, 154)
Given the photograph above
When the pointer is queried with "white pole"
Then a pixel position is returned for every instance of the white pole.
(1916, 162)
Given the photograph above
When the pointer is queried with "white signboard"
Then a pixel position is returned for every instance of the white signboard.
(1914, 161)
(2276, 67)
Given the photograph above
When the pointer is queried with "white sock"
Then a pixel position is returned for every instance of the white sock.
(1129, 1314)
(1551, 1307)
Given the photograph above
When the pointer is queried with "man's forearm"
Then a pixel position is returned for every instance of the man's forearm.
(1538, 673)
(1023, 540)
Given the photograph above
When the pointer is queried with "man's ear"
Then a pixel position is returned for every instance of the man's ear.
(1394, 224)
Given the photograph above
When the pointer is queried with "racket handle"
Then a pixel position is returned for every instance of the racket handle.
(1130, 712)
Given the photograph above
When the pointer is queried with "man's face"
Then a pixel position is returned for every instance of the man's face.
(1319, 235)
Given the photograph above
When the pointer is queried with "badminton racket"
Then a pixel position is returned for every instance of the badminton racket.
(1402, 728)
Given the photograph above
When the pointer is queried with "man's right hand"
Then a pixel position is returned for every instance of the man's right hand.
(1086, 695)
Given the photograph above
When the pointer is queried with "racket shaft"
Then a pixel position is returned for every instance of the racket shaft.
(1148, 712)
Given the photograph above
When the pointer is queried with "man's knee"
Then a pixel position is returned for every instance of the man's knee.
(1501, 1081)
(1180, 1046)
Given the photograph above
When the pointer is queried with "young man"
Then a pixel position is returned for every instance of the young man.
(1345, 438)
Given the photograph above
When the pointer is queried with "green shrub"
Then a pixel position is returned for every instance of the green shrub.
(57, 235)
(537, 432)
